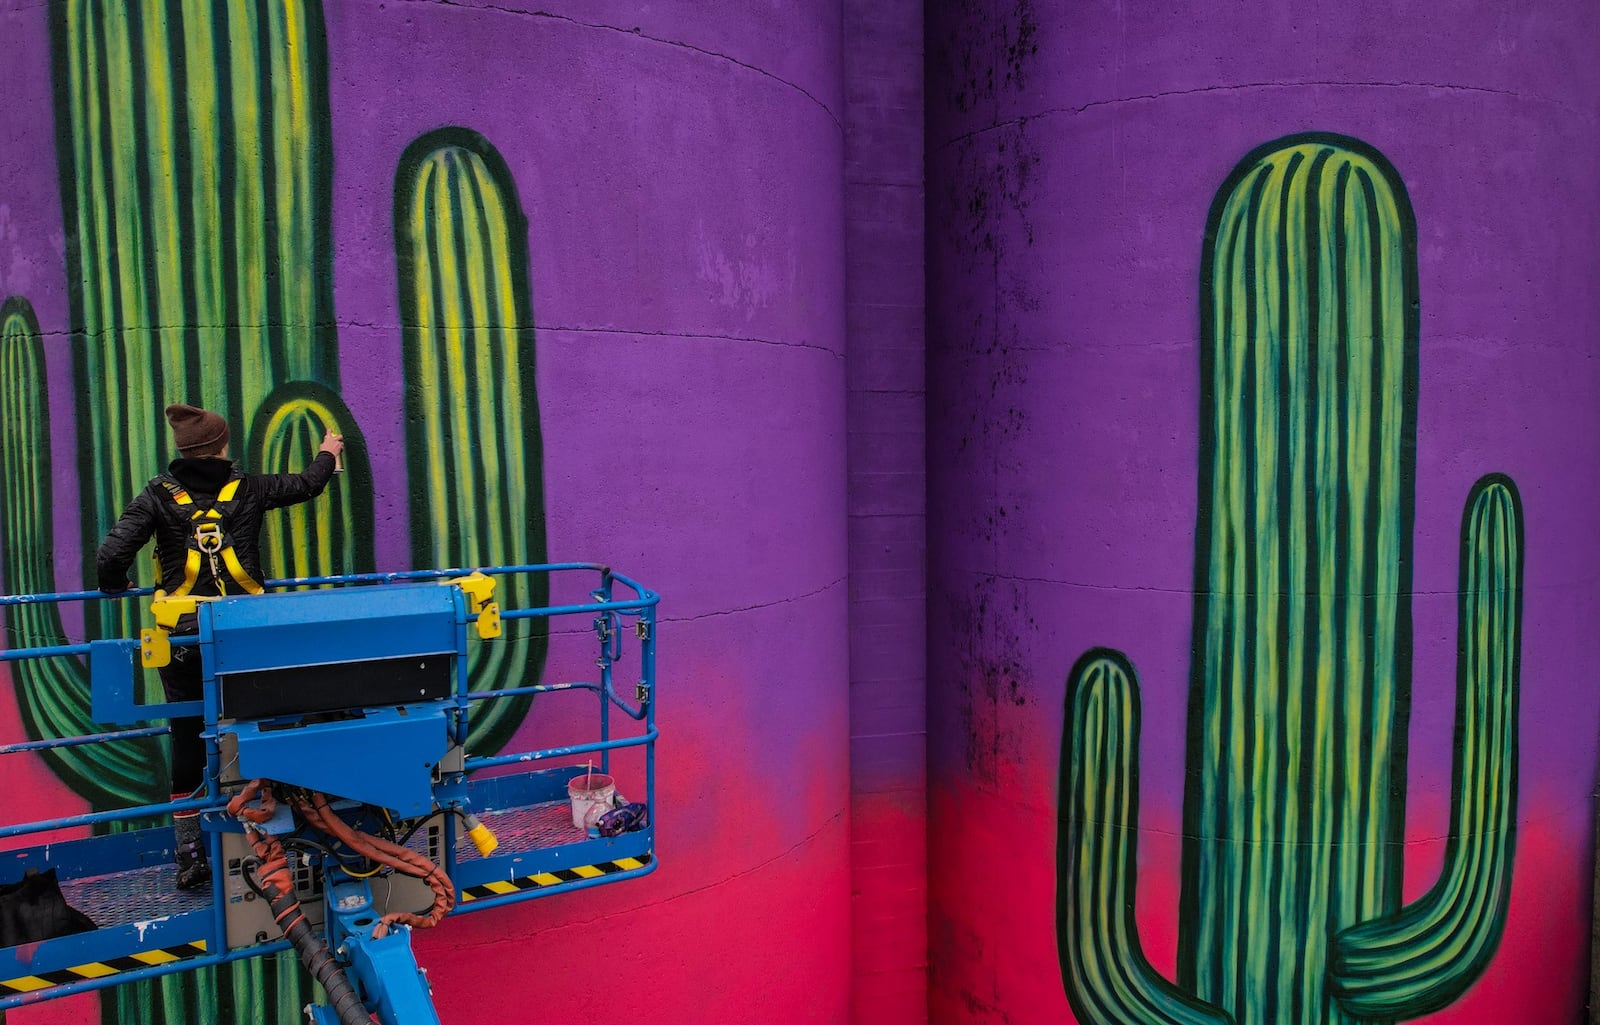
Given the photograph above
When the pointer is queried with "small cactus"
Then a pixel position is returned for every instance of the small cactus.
(472, 419)
(332, 535)
(1294, 815)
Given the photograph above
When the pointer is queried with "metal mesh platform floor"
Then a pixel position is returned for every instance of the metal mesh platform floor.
(138, 895)
(144, 894)
(530, 828)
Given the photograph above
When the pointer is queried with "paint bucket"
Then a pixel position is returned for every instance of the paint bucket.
(591, 796)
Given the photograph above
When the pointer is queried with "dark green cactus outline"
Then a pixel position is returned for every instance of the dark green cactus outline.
(1436, 962)
(493, 729)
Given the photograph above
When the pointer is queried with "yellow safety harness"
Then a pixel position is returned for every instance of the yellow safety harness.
(209, 541)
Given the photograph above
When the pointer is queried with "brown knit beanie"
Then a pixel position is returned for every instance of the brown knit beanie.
(198, 432)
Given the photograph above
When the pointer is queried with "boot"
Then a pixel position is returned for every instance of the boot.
(194, 869)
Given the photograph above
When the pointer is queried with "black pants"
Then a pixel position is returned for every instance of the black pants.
(182, 680)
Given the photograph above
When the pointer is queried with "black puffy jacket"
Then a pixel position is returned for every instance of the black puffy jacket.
(153, 512)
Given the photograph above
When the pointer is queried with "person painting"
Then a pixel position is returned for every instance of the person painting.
(206, 516)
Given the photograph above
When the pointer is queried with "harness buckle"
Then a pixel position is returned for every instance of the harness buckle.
(208, 537)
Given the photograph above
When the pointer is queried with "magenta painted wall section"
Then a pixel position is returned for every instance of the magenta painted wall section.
(1075, 151)
(680, 171)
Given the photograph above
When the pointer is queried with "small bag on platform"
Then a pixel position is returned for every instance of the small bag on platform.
(34, 909)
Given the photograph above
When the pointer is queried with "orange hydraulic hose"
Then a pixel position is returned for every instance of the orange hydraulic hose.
(402, 859)
(275, 882)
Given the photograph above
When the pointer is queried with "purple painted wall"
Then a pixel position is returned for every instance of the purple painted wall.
(691, 352)
(1074, 151)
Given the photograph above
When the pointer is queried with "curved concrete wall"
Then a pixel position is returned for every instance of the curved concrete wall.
(1075, 153)
(680, 171)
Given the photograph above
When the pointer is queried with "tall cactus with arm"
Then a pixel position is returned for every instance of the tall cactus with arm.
(1294, 816)
(193, 142)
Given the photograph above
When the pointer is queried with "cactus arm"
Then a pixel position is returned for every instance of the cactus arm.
(1108, 979)
(52, 694)
(1423, 956)
(472, 419)
(334, 533)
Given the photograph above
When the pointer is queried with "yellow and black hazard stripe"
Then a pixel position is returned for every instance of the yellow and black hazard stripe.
(101, 969)
(560, 875)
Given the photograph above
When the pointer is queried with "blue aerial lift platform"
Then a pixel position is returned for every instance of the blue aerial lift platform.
(357, 690)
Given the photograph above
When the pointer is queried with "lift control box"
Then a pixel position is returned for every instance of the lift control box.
(345, 691)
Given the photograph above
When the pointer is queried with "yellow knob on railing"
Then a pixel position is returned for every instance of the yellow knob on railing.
(479, 589)
(166, 608)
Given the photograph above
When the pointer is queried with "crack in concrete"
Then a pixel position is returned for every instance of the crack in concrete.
(759, 605)
(639, 33)
(1190, 592)
(1245, 86)
(375, 326)
(689, 336)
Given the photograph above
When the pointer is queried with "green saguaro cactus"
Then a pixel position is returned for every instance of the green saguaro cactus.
(193, 143)
(52, 694)
(472, 422)
(192, 140)
(1294, 810)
